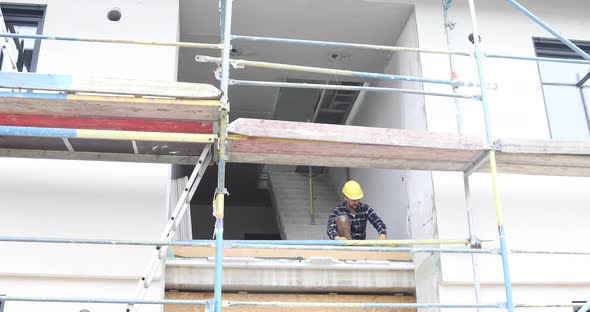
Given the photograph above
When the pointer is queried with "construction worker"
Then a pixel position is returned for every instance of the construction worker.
(349, 219)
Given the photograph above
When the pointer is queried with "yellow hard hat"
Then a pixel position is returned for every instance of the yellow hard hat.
(352, 190)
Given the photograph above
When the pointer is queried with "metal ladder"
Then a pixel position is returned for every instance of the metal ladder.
(150, 270)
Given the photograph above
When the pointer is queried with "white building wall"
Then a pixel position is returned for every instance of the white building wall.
(79, 199)
(386, 190)
(541, 213)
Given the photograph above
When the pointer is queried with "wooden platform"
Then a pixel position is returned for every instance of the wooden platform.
(282, 142)
(295, 143)
(366, 298)
(204, 252)
(544, 157)
(105, 118)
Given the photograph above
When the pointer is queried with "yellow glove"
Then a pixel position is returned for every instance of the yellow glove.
(339, 238)
(382, 237)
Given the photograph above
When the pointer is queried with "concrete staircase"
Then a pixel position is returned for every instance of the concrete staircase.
(290, 191)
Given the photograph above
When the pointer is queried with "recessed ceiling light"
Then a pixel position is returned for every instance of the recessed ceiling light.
(334, 56)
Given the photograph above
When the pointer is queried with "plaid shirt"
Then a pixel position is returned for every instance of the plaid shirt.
(358, 221)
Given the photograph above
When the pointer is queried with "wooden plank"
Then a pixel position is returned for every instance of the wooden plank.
(104, 123)
(107, 106)
(108, 85)
(537, 146)
(296, 143)
(202, 252)
(143, 158)
(544, 170)
(345, 162)
(352, 134)
(106, 134)
(364, 298)
(554, 160)
(541, 164)
(261, 145)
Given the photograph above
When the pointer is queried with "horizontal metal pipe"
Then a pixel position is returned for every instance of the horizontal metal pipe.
(376, 248)
(543, 252)
(101, 241)
(538, 59)
(103, 300)
(550, 29)
(321, 70)
(195, 45)
(344, 87)
(389, 242)
(356, 305)
(562, 84)
(307, 244)
(564, 305)
(347, 45)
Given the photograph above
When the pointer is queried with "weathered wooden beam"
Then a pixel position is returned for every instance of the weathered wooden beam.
(104, 123)
(142, 158)
(107, 106)
(276, 129)
(537, 146)
(203, 252)
(296, 143)
(344, 162)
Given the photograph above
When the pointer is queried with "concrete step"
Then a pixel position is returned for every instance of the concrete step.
(304, 220)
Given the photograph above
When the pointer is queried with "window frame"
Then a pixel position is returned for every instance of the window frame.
(26, 15)
(553, 48)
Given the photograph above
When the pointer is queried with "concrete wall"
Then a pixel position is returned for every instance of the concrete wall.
(105, 200)
(541, 213)
(386, 190)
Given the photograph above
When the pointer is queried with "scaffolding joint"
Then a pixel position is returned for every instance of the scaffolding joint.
(475, 243)
(221, 191)
(450, 25)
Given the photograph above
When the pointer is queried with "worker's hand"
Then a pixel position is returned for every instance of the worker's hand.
(382, 237)
(339, 238)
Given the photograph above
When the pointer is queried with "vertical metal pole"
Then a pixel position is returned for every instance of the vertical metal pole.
(493, 165)
(449, 26)
(474, 260)
(581, 88)
(219, 203)
(311, 208)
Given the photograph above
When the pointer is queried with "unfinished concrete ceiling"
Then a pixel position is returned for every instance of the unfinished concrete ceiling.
(356, 21)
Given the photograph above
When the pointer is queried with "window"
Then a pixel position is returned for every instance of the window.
(566, 102)
(21, 19)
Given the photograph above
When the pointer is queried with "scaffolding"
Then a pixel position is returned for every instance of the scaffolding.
(215, 148)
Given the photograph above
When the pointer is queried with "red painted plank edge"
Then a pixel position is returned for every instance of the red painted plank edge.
(100, 123)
